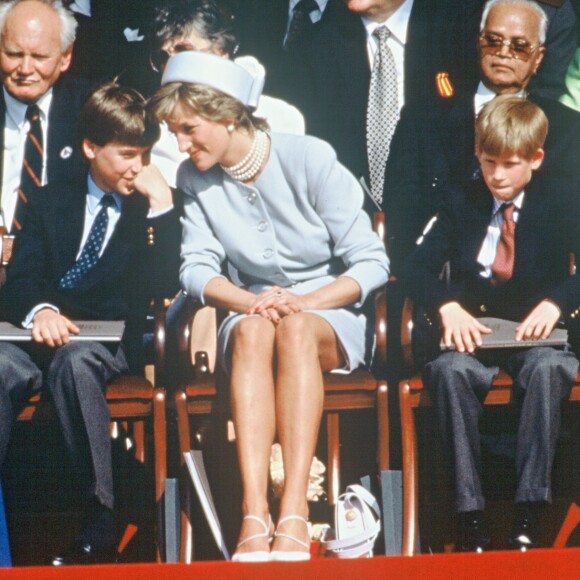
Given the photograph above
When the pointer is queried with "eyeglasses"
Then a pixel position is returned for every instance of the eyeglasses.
(518, 48)
(158, 58)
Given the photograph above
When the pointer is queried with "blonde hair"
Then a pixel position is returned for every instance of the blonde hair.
(510, 125)
(206, 102)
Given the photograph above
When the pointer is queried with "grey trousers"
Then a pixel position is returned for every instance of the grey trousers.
(76, 376)
(458, 382)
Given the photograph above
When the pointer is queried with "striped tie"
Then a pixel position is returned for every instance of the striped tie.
(31, 176)
(92, 248)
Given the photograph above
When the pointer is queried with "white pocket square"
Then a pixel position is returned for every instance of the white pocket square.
(132, 35)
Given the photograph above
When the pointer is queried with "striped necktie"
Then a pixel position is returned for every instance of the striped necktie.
(92, 248)
(31, 175)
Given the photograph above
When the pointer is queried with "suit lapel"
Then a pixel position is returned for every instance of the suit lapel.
(419, 51)
(457, 125)
(68, 218)
(477, 218)
(353, 60)
(62, 137)
(529, 228)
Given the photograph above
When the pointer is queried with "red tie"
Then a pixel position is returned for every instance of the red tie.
(503, 264)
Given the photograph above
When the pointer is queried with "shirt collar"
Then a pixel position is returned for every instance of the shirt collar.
(517, 201)
(96, 193)
(397, 23)
(483, 95)
(17, 109)
(81, 7)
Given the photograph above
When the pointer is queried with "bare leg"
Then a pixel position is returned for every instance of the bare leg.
(252, 398)
(306, 345)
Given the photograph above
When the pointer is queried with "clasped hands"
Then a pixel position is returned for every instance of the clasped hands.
(464, 331)
(276, 303)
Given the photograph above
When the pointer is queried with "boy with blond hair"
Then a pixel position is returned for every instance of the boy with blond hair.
(507, 238)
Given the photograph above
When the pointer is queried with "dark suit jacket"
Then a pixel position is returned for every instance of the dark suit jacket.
(433, 150)
(548, 229)
(129, 273)
(65, 158)
(333, 84)
(260, 26)
(102, 51)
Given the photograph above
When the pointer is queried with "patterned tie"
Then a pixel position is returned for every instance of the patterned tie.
(31, 175)
(503, 264)
(382, 112)
(92, 248)
(301, 25)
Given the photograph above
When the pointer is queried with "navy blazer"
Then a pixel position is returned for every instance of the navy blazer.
(548, 230)
(130, 272)
(65, 158)
(434, 150)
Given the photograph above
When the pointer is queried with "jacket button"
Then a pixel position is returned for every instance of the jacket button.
(482, 308)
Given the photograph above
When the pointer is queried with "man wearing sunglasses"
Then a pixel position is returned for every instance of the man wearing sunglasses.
(433, 148)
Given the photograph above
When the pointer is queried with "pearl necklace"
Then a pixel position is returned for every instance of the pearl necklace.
(250, 165)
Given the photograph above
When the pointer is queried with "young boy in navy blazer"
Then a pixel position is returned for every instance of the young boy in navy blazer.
(95, 250)
(508, 239)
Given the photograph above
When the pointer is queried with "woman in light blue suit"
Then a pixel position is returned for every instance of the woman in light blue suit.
(301, 258)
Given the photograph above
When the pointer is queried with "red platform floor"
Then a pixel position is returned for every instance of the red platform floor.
(553, 564)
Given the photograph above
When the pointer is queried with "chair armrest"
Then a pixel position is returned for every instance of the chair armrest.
(179, 319)
(407, 335)
(380, 328)
(379, 225)
(159, 341)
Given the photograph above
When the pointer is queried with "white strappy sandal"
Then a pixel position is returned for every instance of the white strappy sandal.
(259, 555)
(290, 556)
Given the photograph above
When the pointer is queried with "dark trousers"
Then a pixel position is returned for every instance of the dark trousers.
(543, 377)
(76, 376)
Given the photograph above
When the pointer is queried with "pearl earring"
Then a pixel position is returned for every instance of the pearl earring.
(230, 128)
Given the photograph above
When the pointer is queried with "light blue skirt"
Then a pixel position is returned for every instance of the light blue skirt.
(350, 325)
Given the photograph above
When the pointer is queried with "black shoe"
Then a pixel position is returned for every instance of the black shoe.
(473, 534)
(525, 533)
(96, 543)
(81, 553)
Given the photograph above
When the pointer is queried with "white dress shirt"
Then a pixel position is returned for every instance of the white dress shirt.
(398, 24)
(488, 250)
(483, 95)
(15, 131)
